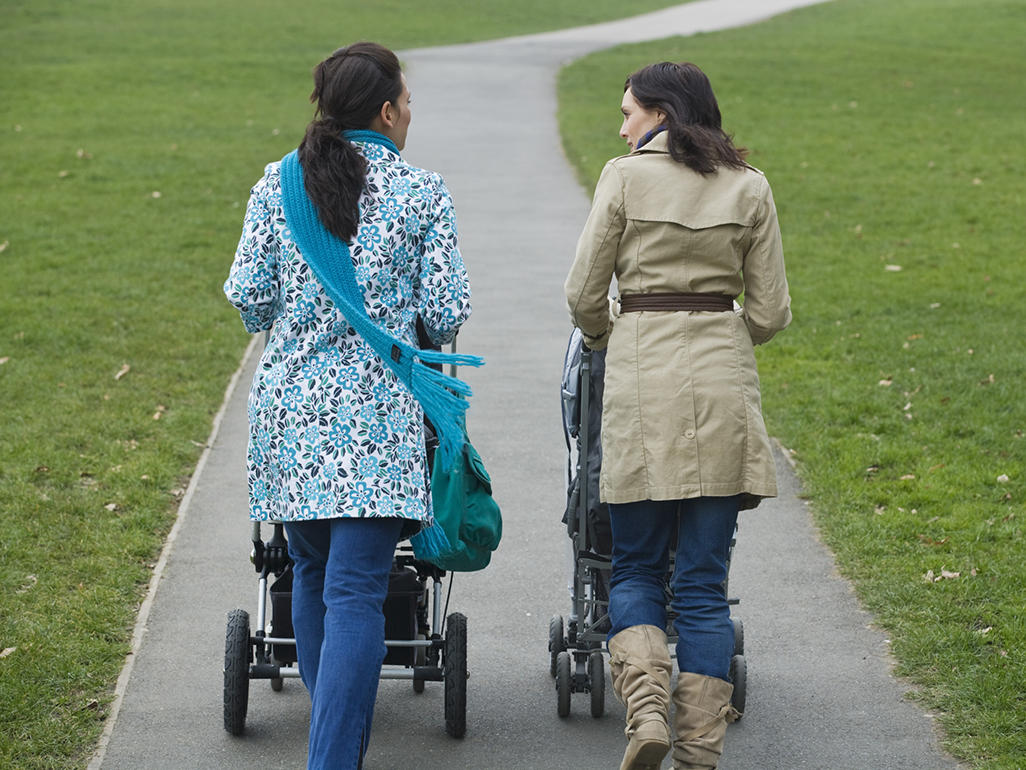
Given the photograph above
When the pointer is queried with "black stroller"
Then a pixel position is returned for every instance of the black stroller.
(420, 646)
(576, 645)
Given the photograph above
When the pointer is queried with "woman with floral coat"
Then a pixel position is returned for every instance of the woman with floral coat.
(336, 447)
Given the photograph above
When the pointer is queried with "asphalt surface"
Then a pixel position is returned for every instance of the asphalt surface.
(820, 689)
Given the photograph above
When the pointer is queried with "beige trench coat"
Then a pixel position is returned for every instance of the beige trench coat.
(682, 411)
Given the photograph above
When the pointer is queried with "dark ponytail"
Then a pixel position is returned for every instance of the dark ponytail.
(349, 88)
(683, 93)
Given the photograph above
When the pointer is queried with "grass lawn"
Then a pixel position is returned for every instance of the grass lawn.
(132, 132)
(892, 133)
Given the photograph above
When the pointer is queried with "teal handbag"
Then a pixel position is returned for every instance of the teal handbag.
(468, 522)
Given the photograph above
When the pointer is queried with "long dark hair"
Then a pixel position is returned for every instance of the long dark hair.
(349, 88)
(683, 93)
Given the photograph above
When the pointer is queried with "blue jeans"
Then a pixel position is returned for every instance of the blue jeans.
(643, 534)
(340, 581)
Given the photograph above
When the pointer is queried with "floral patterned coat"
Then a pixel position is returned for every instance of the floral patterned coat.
(333, 433)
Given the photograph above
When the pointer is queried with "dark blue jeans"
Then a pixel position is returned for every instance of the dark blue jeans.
(340, 580)
(643, 534)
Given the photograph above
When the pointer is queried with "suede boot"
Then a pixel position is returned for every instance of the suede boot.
(640, 667)
(700, 722)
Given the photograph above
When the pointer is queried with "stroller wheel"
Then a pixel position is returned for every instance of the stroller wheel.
(236, 671)
(739, 676)
(277, 684)
(739, 636)
(557, 642)
(597, 679)
(563, 684)
(455, 675)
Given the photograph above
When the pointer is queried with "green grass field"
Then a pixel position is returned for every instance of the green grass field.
(132, 132)
(892, 134)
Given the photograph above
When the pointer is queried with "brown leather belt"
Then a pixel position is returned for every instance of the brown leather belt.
(632, 303)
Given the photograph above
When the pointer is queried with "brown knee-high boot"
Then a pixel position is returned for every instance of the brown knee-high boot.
(640, 667)
(700, 722)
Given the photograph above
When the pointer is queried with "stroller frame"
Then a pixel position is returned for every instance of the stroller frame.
(426, 656)
(575, 648)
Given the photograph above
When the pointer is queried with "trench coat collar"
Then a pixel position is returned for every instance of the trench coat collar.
(658, 143)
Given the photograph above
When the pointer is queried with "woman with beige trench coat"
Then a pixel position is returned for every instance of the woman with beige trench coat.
(686, 227)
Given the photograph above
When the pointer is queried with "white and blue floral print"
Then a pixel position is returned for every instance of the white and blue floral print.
(333, 433)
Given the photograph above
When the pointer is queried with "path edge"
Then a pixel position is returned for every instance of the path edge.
(139, 631)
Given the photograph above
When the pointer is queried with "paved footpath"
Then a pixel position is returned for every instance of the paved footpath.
(820, 690)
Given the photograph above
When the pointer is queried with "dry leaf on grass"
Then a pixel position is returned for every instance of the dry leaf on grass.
(30, 583)
(944, 575)
(7, 651)
(125, 369)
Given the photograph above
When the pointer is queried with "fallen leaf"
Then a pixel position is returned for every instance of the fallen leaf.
(988, 381)
(111, 506)
(886, 383)
(4, 245)
(4, 360)
(7, 651)
(880, 510)
(125, 368)
(945, 575)
(160, 410)
(984, 631)
(1003, 478)
(977, 181)
(30, 583)
(893, 268)
(62, 173)
(930, 541)
(155, 194)
(908, 477)
(934, 305)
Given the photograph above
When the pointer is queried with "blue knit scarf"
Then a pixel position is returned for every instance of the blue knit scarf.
(442, 397)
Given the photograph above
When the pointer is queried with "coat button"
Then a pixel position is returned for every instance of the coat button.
(689, 433)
